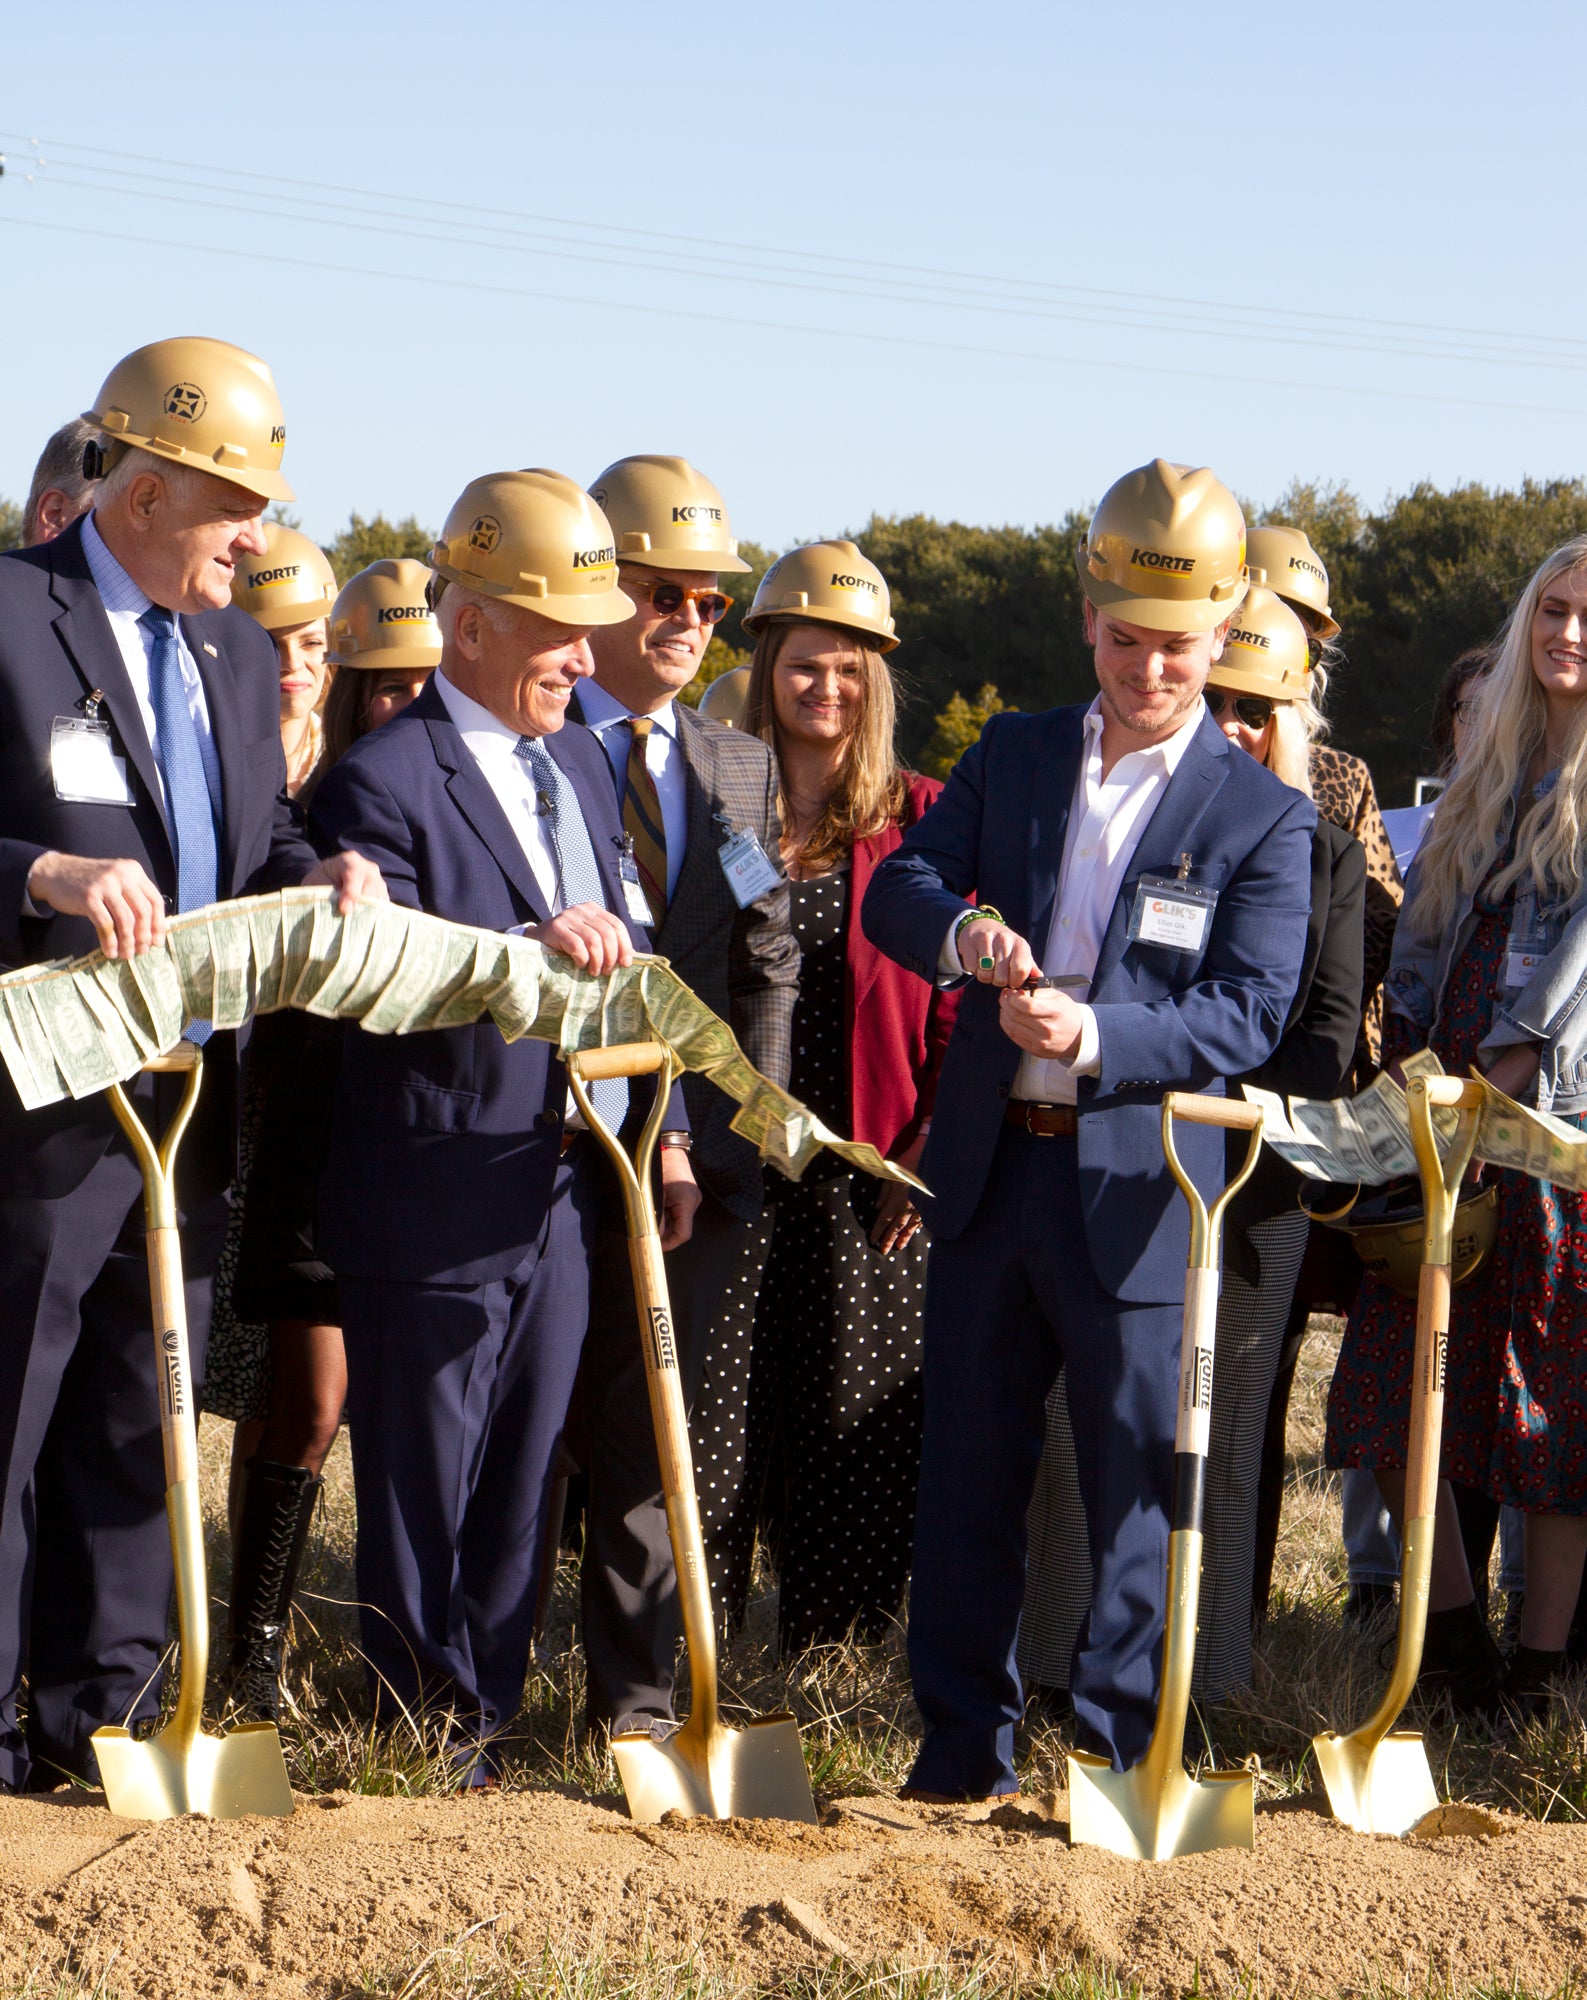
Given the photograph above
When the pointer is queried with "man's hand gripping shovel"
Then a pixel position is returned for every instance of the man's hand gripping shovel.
(1157, 1810)
(757, 1772)
(1377, 1778)
(181, 1770)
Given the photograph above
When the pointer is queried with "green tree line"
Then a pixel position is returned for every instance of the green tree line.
(992, 617)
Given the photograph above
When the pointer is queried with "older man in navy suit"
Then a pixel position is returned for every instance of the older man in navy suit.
(1158, 886)
(140, 773)
(457, 1202)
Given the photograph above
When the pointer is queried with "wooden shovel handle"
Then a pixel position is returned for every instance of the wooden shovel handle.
(626, 1059)
(1232, 1112)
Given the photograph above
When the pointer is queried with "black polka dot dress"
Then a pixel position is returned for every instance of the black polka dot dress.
(808, 1424)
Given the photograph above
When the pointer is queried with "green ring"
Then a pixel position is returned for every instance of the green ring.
(987, 964)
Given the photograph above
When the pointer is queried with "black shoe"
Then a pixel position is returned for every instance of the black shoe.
(272, 1528)
(1368, 1603)
(1460, 1660)
(1528, 1686)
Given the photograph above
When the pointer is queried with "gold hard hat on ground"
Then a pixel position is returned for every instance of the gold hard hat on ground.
(1293, 568)
(202, 403)
(289, 584)
(826, 583)
(535, 539)
(1264, 651)
(666, 515)
(382, 618)
(1166, 549)
(724, 700)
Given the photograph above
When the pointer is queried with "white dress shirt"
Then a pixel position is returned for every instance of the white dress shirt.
(1107, 817)
(607, 718)
(125, 603)
(494, 747)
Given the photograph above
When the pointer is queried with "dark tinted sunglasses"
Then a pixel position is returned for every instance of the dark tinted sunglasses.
(1254, 710)
(670, 597)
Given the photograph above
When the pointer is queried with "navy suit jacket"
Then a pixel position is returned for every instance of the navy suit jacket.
(444, 1145)
(1166, 1020)
(56, 648)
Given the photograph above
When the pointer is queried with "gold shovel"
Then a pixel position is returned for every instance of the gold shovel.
(757, 1772)
(181, 1770)
(1378, 1778)
(1157, 1810)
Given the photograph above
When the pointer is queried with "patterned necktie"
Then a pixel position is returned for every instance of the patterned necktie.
(642, 817)
(189, 808)
(578, 878)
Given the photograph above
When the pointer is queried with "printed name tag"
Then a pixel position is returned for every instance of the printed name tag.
(635, 901)
(84, 764)
(1171, 912)
(1521, 961)
(750, 871)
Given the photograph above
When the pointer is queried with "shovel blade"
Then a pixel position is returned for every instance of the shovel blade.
(1382, 1787)
(1148, 1817)
(225, 1777)
(757, 1772)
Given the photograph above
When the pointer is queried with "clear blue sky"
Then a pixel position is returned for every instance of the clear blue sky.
(1336, 242)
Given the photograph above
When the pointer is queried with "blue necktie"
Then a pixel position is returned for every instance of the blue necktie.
(189, 809)
(578, 879)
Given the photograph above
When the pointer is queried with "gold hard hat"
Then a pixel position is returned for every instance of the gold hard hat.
(665, 515)
(534, 539)
(1294, 569)
(723, 701)
(1166, 549)
(202, 403)
(289, 584)
(826, 583)
(1390, 1245)
(1265, 650)
(383, 619)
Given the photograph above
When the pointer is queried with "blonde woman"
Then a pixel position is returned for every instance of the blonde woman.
(809, 1422)
(1259, 694)
(1489, 966)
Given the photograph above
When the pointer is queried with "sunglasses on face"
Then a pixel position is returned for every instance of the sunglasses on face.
(1254, 710)
(668, 598)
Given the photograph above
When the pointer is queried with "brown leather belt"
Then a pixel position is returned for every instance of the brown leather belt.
(1042, 1121)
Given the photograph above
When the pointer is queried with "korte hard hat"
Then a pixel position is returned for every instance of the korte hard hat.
(665, 515)
(534, 539)
(289, 584)
(1389, 1235)
(1264, 650)
(1294, 569)
(1166, 549)
(724, 700)
(826, 583)
(382, 618)
(198, 402)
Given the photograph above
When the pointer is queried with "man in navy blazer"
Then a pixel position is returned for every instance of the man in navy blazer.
(118, 640)
(456, 1204)
(1163, 883)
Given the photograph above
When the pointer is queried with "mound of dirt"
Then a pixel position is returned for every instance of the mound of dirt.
(297, 1909)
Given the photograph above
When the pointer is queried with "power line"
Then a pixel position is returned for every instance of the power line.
(1083, 362)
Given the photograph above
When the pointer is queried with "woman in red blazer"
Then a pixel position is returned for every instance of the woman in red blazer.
(808, 1427)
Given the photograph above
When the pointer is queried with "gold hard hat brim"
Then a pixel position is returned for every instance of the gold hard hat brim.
(1318, 623)
(252, 479)
(1158, 614)
(601, 607)
(388, 659)
(801, 614)
(707, 561)
(282, 617)
(1235, 681)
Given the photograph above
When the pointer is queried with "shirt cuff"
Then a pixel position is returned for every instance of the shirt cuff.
(1087, 1059)
(950, 972)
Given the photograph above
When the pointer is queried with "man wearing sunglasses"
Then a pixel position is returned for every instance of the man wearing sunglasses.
(1158, 885)
(686, 789)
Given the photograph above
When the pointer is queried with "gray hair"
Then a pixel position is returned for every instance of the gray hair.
(456, 597)
(60, 468)
(180, 480)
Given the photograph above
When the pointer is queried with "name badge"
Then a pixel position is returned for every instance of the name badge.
(750, 871)
(84, 764)
(1522, 959)
(635, 901)
(1171, 911)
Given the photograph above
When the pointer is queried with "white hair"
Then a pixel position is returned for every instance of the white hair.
(451, 598)
(182, 482)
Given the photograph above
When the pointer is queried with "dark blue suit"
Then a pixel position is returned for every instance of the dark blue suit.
(1050, 1252)
(80, 1461)
(458, 1229)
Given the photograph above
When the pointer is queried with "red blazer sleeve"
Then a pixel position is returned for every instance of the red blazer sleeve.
(898, 1024)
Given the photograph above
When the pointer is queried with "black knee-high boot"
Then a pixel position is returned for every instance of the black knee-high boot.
(272, 1529)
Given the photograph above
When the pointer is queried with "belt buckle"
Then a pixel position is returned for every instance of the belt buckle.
(1031, 1127)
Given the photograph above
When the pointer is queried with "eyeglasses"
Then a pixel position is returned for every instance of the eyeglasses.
(1254, 710)
(668, 598)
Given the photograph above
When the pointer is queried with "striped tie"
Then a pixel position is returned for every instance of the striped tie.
(642, 820)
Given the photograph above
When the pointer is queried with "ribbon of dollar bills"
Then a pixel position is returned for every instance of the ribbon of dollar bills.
(76, 1026)
(1368, 1138)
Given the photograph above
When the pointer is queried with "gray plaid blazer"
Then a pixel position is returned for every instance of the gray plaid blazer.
(744, 964)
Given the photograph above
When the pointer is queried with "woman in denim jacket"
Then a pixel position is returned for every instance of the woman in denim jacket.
(1490, 967)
